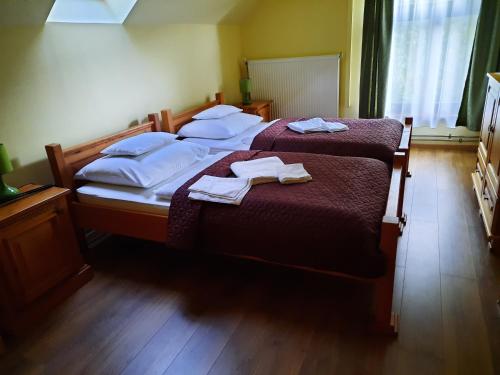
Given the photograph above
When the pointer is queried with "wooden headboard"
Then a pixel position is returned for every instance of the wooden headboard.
(65, 163)
(172, 123)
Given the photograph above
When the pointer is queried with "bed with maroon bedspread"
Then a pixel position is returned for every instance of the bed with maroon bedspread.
(331, 223)
(370, 138)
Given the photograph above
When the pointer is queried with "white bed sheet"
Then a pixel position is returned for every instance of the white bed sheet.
(241, 142)
(140, 199)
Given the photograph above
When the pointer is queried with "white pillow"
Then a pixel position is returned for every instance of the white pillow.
(145, 170)
(219, 111)
(224, 128)
(140, 144)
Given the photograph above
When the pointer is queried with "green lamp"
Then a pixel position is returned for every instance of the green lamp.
(6, 192)
(245, 88)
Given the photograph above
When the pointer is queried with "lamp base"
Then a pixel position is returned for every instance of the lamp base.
(247, 99)
(7, 192)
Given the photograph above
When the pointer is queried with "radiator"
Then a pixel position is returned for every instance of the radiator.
(300, 87)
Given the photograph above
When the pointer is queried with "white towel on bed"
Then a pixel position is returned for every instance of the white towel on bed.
(293, 174)
(209, 198)
(220, 189)
(259, 171)
(315, 125)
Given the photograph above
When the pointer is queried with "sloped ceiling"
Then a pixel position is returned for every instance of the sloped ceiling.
(35, 12)
(24, 12)
(182, 11)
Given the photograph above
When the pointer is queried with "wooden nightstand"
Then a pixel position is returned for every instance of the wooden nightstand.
(40, 261)
(259, 108)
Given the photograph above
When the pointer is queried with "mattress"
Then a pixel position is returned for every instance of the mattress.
(241, 142)
(140, 199)
(123, 197)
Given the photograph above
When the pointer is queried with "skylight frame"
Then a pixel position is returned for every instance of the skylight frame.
(90, 11)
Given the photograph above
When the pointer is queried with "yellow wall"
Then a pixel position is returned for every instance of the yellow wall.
(72, 83)
(290, 28)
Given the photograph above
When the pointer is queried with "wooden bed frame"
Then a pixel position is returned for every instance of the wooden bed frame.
(173, 123)
(65, 163)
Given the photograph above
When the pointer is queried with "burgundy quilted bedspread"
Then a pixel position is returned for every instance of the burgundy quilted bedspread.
(331, 223)
(369, 138)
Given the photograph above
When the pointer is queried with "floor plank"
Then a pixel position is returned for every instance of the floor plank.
(465, 339)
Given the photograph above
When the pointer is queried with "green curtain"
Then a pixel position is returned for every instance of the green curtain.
(485, 58)
(377, 31)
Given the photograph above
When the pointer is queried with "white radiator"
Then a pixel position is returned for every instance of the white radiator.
(300, 87)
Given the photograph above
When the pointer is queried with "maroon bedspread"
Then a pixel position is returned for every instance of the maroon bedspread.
(331, 223)
(370, 138)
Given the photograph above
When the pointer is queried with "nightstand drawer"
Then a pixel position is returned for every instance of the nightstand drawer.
(258, 107)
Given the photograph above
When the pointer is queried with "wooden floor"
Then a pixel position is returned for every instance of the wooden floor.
(152, 312)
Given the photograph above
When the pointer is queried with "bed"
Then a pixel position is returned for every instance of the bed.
(370, 138)
(136, 213)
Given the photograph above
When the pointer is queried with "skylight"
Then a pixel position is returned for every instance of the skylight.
(90, 11)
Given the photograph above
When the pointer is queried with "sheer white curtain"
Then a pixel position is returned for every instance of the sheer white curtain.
(430, 52)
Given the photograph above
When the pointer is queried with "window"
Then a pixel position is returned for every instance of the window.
(90, 11)
(430, 53)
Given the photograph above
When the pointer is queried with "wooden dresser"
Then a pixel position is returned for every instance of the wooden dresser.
(258, 107)
(486, 177)
(40, 258)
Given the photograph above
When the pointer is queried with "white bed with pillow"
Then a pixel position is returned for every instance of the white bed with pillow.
(143, 199)
(133, 170)
(223, 128)
(240, 142)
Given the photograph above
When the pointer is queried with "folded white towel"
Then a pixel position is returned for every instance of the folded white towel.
(333, 127)
(316, 125)
(210, 198)
(220, 190)
(221, 187)
(259, 171)
(293, 174)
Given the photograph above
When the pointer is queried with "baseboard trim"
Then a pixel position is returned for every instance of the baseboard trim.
(455, 146)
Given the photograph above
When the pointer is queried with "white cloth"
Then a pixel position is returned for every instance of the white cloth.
(259, 171)
(145, 170)
(430, 53)
(218, 111)
(241, 142)
(209, 198)
(315, 125)
(168, 189)
(220, 189)
(222, 128)
(293, 174)
(140, 144)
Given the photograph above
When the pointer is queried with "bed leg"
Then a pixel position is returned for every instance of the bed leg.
(408, 127)
(403, 161)
(407, 162)
(385, 320)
